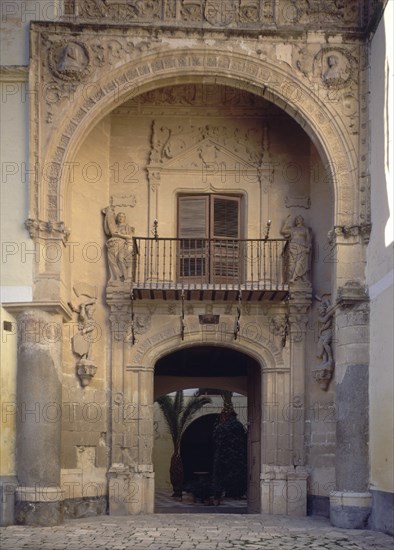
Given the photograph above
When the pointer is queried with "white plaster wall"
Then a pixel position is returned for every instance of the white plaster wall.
(16, 261)
(15, 17)
(380, 256)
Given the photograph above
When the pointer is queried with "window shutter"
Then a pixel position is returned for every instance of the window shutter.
(226, 217)
(193, 217)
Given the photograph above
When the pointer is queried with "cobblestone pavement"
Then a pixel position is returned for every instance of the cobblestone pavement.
(193, 531)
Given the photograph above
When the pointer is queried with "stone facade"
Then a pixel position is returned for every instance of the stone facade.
(134, 107)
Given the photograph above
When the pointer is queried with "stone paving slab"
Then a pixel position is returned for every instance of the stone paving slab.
(190, 532)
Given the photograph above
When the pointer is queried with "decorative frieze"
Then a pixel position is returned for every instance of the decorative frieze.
(224, 14)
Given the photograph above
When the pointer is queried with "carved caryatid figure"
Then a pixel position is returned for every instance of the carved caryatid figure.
(300, 246)
(119, 245)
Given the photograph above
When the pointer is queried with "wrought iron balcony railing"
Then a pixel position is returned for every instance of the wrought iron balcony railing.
(253, 265)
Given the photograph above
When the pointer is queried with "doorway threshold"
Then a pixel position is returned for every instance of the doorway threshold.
(166, 504)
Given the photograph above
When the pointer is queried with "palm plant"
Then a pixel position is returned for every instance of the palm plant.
(178, 415)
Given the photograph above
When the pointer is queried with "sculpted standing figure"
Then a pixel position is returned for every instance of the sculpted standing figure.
(326, 312)
(299, 249)
(82, 340)
(119, 245)
(323, 373)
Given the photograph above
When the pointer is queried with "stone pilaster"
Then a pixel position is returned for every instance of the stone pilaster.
(38, 495)
(300, 302)
(131, 477)
(283, 477)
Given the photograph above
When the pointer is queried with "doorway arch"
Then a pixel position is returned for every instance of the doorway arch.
(211, 366)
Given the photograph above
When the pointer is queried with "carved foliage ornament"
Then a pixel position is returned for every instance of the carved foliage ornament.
(170, 142)
(46, 229)
(223, 13)
(119, 10)
(324, 11)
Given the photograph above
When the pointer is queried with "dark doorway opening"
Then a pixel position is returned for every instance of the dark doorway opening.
(197, 448)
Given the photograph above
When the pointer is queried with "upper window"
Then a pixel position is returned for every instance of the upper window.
(209, 233)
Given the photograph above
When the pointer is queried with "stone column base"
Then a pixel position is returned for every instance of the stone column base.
(8, 484)
(39, 505)
(283, 490)
(131, 490)
(350, 510)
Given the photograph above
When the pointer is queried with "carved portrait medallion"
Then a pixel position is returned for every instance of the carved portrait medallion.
(335, 66)
(70, 60)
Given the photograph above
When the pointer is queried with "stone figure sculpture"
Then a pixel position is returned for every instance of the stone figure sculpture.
(323, 373)
(82, 340)
(300, 246)
(119, 245)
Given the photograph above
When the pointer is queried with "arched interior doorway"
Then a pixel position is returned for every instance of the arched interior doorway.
(197, 449)
(221, 368)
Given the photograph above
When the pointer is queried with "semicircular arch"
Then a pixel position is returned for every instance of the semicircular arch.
(236, 69)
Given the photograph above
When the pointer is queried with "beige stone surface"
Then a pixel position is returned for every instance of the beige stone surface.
(266, 106)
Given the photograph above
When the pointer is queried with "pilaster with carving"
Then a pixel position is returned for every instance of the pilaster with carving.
(131, 472)
(298, 322)
(49, 249)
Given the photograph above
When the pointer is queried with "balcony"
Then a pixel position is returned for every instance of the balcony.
(210, 269)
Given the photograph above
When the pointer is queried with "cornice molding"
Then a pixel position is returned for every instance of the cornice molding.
(14, 73)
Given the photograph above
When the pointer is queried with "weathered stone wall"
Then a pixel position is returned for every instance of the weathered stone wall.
(96, 140)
